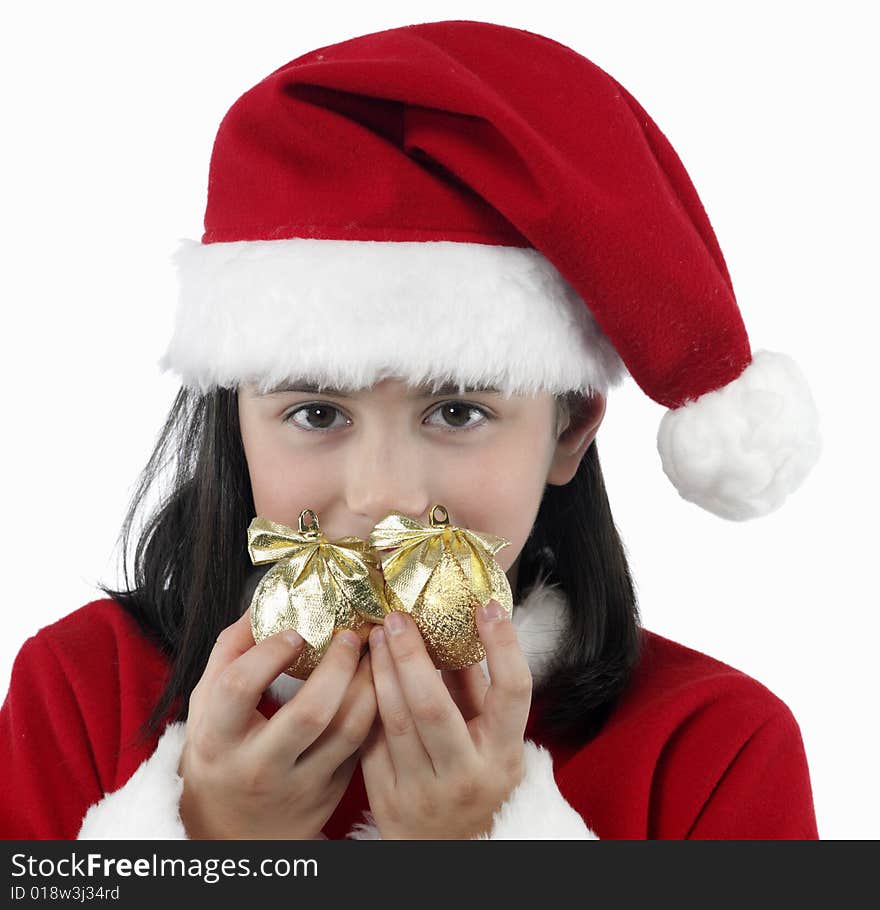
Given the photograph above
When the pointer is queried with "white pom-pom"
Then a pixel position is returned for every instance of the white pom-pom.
(740, 450)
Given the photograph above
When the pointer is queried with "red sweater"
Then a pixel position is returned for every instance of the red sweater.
(694, 748)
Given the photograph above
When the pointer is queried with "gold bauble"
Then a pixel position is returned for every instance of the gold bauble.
(440, 574)
(317, 587)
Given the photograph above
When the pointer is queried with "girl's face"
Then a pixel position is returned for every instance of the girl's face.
(354, 458)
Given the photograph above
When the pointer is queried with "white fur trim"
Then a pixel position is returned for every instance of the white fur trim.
(346, 313)
(739, 451)
(366, 829)
(146, 807)
(540, 620)
(535, 810)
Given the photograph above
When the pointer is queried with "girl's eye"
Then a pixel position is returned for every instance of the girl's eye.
(457, 413)
(322, 422)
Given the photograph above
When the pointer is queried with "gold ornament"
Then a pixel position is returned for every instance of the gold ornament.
(439, 574)
(317, 587)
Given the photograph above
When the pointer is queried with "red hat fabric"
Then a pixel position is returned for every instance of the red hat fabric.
(466, 202)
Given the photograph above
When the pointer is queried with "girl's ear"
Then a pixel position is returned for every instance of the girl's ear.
(586, 413)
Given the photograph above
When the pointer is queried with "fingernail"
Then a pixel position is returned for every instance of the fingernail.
(350, 638)
(491, 611)
(377, 637)
(395, 622)
(294, 639)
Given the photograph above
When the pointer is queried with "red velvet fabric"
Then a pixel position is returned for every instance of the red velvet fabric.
(694, 749)
(471, 131)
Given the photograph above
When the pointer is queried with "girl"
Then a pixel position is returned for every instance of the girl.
(429, 253)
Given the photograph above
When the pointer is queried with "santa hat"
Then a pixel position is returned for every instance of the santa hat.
(470, 203)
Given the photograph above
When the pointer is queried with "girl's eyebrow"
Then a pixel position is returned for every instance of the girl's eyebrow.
(420, 391)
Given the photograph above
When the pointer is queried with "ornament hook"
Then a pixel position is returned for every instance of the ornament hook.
(312, 527)
(439, 522)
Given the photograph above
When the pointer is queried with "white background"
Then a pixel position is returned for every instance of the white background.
(109, 112)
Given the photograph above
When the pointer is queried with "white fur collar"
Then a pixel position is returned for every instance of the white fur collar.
(539, 618)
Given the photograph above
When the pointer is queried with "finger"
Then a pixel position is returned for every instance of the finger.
(467, 688)
(350, 725)
(405, 747)
(376, 762)
(509, 696)
(342, 774)
(231, 643)
(302, 720)
(238, 674)
(439, 723)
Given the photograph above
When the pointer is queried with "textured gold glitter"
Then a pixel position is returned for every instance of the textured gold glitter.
(437, 573)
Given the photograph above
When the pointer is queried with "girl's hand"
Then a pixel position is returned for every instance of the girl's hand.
(247, 777)
(438, 766)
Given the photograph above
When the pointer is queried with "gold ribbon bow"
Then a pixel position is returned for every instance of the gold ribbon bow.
(317, 586)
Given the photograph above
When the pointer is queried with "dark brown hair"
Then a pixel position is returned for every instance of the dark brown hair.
(190, 564)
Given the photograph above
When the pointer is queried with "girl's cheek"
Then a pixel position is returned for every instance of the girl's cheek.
(283, 484)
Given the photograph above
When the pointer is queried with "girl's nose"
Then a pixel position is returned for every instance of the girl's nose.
(386, 476)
